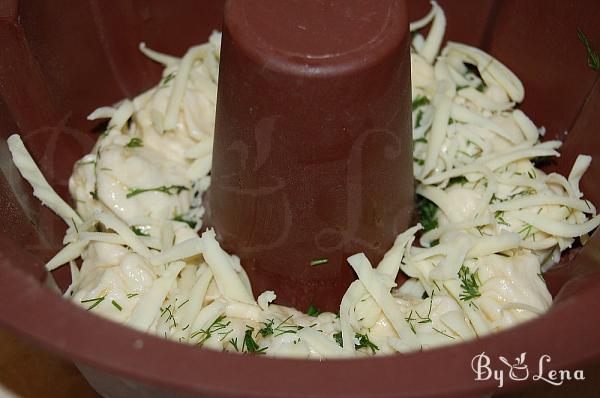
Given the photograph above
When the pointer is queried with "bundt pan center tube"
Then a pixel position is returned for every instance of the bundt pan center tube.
(312, 153)
(45, 96)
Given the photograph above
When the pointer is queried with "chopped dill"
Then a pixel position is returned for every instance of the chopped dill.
(168, 78)
(470, 284)
(319, 261)
(499, 215)
(278, 330)
(180, 218)
(234, 344)
(364, 342)
(427, 213)
(419, 102)
(135, 143)
(116, 305)
(419, 119)
(312, 310)
(131, 295)
(94, 194)
(440, 332)
(481, 87)
(94, 301)
(527, 231)
(249, 344)
(409, 319)
(593, 60)
(420, 162)
(338, 338)
(182, 304)
(462, 180)
(168, 310)
(214, 327)
(427, 319)
(421, 140)
(524, 192)
(138, 231)
(472, 156)
(223, 335)
(481, 231)
(169, 190)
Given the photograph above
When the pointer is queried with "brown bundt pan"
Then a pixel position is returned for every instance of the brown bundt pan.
(62, 59)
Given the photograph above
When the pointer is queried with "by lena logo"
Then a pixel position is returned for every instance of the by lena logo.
(518, 370)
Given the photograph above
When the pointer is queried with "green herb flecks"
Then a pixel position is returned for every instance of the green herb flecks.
(593, 60)
(192, 224)
(527, 231)
(94, 301)
(116, 305)
(234, 344)
(470, 284)
(443, 333)
(419, 118)
(469, 155)
(409, 319)
(338, 339)
(135, 143)
(269, 328)
(481, 87)
(87, 162)
(319, 261)
(499, 215)
(250, 345)
(169, 190)
(313, 311)
(167, 310)
(419, 102)
(182, 304)
(427, 213)
(364, 342)
(216, 326)
(421, 140)
(168, 78)
(427, 318)
(94, 194)
(132, 295)
(520, 194)
(462, 180)
(138, 231)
